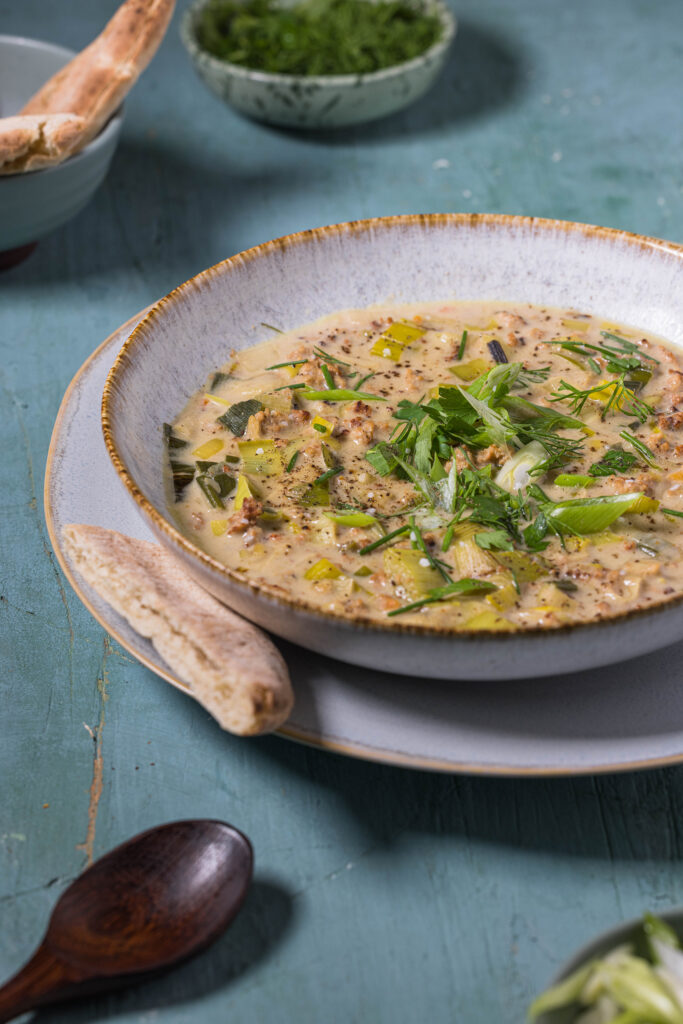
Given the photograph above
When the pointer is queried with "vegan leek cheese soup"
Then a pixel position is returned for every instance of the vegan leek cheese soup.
(471, 466)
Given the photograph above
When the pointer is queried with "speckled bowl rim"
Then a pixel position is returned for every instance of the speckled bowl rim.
(197, 52)
(267, 592)
(112, 127)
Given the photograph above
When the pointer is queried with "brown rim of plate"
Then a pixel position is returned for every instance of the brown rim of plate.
(378, 755)
(266, 591)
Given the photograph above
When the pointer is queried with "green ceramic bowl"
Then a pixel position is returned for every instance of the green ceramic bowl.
(35, 203)
(320, 101)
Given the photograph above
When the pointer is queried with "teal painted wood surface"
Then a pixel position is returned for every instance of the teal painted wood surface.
(381, 895)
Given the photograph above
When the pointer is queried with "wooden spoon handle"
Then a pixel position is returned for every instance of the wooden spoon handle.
(43, 979)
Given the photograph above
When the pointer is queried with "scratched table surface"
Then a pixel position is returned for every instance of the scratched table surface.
(380, 894)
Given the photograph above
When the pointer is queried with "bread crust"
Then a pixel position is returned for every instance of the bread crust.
(93, 85)
(32, 141)
(232, 668)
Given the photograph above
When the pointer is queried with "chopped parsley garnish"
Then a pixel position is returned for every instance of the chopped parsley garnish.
(614, 461)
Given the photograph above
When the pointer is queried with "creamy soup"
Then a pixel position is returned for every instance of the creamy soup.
(462, 466)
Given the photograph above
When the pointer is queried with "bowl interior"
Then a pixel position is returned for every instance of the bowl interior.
(408, 259)
(25, 65)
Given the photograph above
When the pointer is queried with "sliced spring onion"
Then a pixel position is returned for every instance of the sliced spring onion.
(463, 343)
(583, 516)
(292, 362)
(292, 462)
(341, 395)
(640, 447)
(383, 540)
(327, 475)
(573, 480)
(352, 518)
(327, 358)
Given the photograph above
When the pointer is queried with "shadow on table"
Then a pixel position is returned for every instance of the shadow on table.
(629, 816)
(161, 213)
(484, 71)
(260, 926)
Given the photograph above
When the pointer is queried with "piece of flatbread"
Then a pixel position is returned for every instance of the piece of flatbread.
(231, 667)
(31, 141)
(86, 91)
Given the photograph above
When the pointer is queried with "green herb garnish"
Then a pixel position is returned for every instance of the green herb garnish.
(292, 462)
(327, 475)
(316, 37)
(292, 362)
(463, 343)
(640, 447)
(459, 588)
(614, 461)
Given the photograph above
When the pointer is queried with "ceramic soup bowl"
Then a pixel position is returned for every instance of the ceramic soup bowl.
(297, 279)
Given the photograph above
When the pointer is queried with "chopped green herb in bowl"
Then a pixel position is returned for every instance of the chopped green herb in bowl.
(631, 975)
(318, 63)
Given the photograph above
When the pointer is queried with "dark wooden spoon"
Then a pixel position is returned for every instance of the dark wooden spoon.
(155, 900)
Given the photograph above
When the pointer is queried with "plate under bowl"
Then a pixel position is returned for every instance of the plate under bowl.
(297, 279)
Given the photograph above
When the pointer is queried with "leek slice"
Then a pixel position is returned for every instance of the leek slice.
(515, 474)
(209, 448)
(237, 416)
(412, 571)
(244, 490)
(573, 480)
(323, 570)
(340, 395)
(592, 515)
(362, 519)
(471, 370)
(490, 622)
(469, 558)
(261, 457)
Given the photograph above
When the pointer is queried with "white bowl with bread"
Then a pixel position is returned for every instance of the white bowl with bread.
(61, 116)
(296, 280)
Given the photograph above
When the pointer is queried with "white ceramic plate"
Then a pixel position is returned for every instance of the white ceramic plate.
(622, 717)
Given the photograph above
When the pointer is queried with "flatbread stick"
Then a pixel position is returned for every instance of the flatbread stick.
(231, 666)
(96, 81)
(32, 141)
